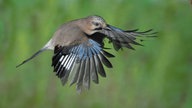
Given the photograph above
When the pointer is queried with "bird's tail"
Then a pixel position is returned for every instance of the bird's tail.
(46, 47)
(34, 55)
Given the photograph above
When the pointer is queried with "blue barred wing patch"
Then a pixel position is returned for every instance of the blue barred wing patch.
(81, 63)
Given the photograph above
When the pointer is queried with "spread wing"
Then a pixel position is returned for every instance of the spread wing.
(80, 63)
(121, 38)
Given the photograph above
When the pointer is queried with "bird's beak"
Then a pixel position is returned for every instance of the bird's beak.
(107, 27)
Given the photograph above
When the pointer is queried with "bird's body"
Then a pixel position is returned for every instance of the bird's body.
(79, 53)
(67, 34)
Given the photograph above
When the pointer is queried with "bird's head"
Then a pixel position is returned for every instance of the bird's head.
(94, 24)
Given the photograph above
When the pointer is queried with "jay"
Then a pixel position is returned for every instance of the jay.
(79, 52)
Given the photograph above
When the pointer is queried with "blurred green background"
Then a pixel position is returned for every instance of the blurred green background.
(158, 75)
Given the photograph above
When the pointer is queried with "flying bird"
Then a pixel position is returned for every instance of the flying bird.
(79, 52)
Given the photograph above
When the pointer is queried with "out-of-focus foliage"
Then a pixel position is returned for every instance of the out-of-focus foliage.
(158, 75)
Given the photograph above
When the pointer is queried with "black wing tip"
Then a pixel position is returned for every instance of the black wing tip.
(146, 32)
(96, 81)
(107, 54)
(133, 30)
(132, 48)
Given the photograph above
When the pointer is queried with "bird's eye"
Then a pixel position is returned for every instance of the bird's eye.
(96, 23)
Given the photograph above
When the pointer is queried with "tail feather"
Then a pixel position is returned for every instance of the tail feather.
(34, 55)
